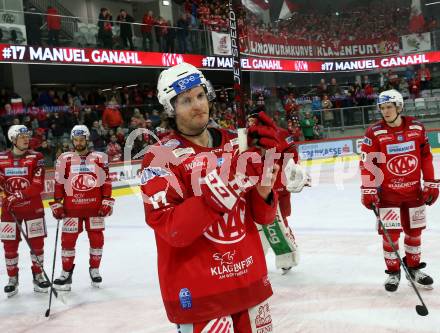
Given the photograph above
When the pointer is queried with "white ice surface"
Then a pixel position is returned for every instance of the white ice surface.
(336, 288)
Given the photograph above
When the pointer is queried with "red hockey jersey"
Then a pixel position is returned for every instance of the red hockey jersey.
(25, 174)
(82, 181)
(393, 159)
(209, 265)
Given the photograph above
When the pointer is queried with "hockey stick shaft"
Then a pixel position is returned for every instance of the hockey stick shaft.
(33, 252)
(236, 60)
(53, 268)
(402, 264)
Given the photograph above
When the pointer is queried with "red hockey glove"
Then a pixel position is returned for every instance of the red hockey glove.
(222, 194)
(12, 200)
(369, 197)
(263, 133)
(106, 207)
(57, 210)
(430, 191)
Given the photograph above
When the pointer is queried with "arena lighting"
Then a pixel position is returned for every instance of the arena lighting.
(131, 85)
(165, 3)
(432, 3)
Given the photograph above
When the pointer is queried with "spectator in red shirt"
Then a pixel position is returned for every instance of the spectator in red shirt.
(53, 26)
(148, 21)
(112, 118)
(37, 139)
(414, 88)
(114, 150)
(424, 76)
(417, 21)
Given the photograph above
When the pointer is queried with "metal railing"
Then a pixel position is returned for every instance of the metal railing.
(75, 32)
(360, 117)
(69, 21)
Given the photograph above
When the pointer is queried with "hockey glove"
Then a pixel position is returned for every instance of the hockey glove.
(57, 210)
(430, 191)
(222, 194)
(263, 133)
(370, 198)
(106, 207)
(12, 200)
(296, 177)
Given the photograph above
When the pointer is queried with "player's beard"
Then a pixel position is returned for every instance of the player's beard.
(80, 149)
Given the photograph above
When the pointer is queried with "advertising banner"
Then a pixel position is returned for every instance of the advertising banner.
(284, 47)
(325, 149)
(121, 58)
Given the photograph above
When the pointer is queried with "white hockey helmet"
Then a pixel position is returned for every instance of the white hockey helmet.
(16, 130)
(178, 79)
(80, 130)
(390, 96)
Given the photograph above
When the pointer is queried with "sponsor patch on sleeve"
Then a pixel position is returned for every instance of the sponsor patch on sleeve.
(173, 143)
(380, 132)
(367, 141)
(150, 173)
(183, 151)
(290, 140)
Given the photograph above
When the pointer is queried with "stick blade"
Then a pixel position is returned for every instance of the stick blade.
(47, 314)
(422, 310)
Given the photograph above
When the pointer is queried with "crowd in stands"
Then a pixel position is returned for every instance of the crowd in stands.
(384, 20)
(112, 115)
(362, 22)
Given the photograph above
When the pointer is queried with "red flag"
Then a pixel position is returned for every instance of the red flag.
(416, 20)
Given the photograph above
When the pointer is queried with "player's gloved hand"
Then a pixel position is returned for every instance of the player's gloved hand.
(12, 200)
(263, 133)
(106, 207)
(430, 191)
(370, 198)
(222, 192)
(296, 177)
(57, 210)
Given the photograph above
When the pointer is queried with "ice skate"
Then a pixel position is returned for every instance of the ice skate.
(11, 288)
(41, 285)
(392, 282)
(95, 277)
(64, 282)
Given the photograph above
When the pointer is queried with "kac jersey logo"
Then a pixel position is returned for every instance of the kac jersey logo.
(402, 165)
(14, 184)
(83, 182)
(231, 229)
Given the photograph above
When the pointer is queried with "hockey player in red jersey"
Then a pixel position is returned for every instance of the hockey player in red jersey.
(22, 181)
(82, 198)
(211, 265)
(395, 155)
(278, 235)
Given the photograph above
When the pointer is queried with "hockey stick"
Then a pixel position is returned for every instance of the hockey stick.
(236, 60)
(33, 252)
(53, 269)
(421, 310)
(238, 105)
